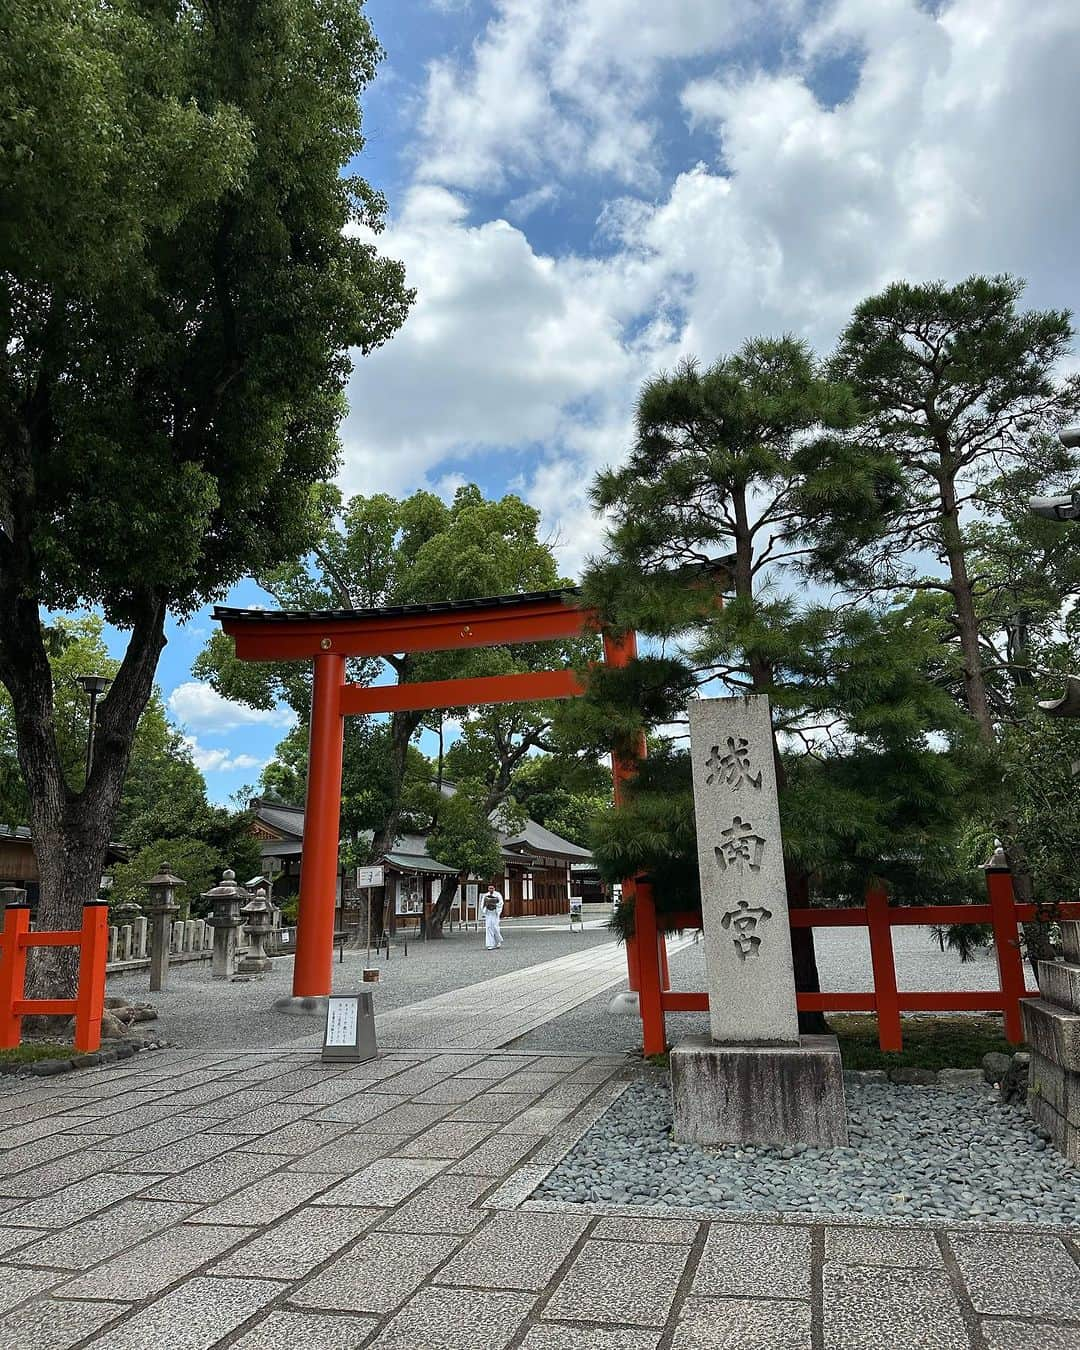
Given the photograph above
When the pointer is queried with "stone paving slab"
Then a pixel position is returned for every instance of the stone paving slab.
(1007, 1274)
(293, 1248)
(77, 1201)
(731, 1264)
(883, 1247)
(349, 1152)
(443, 1206)
(1007, 1334)
(377, 1275)
(625, 1282)
(552, 1337)
(284, 1330)
(196, 1316)
(215, 1179)
(53, 1324)
(150, 1267)
(452, 1319)
(516, 1251)
(879, 1309)
(743, 1324)
(386, 1182)
(100, 1237)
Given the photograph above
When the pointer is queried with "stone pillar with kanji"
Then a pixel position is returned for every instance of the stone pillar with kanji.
(754, 1079)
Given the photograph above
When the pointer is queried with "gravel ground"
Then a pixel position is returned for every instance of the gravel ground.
(843, 964)
(197, 1011)
(917, 1153)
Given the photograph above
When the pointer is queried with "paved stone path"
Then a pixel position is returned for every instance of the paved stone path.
(264, 1201)
(494, 1012)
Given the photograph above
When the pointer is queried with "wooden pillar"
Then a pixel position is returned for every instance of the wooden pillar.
(890, 1035)
(653, 1030)
(90, 999)
(999, 888)
(312, 970)
(16, 921)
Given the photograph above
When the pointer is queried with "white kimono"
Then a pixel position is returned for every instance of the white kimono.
(492, 931)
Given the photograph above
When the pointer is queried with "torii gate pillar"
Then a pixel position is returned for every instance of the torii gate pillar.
(312, 971)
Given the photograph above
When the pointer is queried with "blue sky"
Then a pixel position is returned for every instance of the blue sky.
(584, 190)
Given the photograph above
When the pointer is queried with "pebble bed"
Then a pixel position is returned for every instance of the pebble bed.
(915, 1153)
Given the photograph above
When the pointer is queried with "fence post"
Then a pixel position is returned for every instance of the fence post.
(999, 889)
(890, 1035)
(653, 1030)
(90, 999)
(16, 922)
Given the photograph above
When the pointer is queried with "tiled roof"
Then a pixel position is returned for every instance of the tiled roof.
(395, 611)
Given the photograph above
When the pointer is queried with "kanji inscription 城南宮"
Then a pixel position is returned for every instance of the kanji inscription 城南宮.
(744, 922)
(741, 847)
(732, 766)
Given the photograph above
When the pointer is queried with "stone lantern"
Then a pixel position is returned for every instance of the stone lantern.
(260, 919)
(11, 895)
(225, 901)
(161, 909)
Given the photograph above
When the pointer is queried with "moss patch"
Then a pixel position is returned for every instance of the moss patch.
(929, 1042)
(35, 1050)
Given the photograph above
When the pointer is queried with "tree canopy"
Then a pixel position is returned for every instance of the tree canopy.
(188, 264)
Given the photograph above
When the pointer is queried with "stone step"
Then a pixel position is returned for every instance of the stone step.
(1052, 1031)
(1059, 982)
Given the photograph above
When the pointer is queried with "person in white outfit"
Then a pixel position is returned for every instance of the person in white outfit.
(493, 907)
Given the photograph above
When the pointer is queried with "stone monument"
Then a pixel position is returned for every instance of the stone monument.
(755, 1080)
(1052, 1029)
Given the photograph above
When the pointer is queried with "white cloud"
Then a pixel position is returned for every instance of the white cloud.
(566, 85)
(220, 761)
(198, 705)
(952, 153)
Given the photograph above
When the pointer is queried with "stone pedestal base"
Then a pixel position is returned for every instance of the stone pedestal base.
(314, 1005)
(1053, 1031)
(254, 965)
(759, 1094)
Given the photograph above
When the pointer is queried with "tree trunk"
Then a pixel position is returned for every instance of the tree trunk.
(70, 830)
(803, 953)
(441, 908)
(967, 623)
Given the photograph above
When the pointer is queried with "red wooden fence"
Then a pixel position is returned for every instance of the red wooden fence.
(1000, 911)
(87, 1005)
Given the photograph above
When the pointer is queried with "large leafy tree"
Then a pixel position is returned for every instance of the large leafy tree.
(184, 269)
(748, 461)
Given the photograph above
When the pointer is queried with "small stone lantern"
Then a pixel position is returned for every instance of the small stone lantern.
(161, 909)
(225, 901)
(11, 895)
(260, 919)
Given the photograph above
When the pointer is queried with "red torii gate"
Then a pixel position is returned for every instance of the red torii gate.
(327, 637)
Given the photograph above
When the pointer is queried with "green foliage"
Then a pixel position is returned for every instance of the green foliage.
(181, 285)
(196, 862)
(463, 837)
(562, 793)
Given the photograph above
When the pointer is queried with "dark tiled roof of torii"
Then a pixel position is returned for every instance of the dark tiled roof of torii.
(567, 593)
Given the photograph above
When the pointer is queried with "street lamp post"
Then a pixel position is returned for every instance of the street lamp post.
(95, 686)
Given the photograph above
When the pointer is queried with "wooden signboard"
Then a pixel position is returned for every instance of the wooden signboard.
(350, 1029)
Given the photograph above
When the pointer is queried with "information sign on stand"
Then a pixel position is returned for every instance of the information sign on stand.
(350, 1029)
